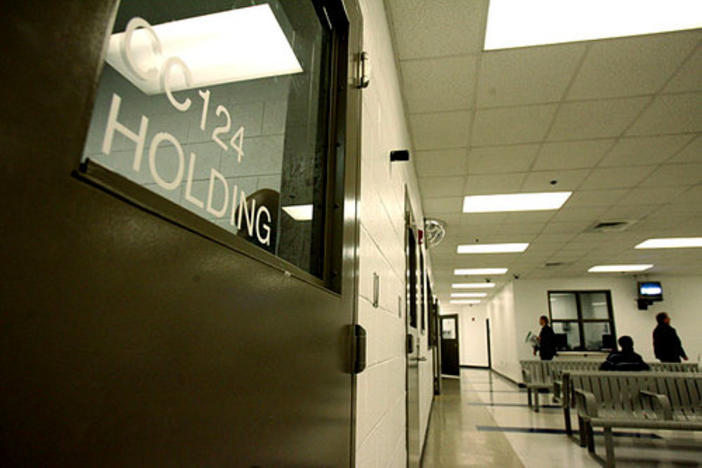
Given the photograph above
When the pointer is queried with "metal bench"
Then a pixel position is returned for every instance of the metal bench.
(637, 400)
(566, 398)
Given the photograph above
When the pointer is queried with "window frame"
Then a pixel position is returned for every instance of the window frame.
(331, 14)
(580, 321)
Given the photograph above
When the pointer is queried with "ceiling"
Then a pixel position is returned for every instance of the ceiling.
(617, 121)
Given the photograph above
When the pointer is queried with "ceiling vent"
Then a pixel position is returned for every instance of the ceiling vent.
(610, 226)
(553, 264)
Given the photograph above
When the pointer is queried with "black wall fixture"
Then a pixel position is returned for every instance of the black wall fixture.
(399, 155)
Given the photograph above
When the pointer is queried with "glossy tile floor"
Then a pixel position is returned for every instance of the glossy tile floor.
(483, 420)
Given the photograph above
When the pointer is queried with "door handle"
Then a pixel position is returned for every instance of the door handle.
(421, 359)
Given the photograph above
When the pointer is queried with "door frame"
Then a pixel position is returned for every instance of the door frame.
(458, 340)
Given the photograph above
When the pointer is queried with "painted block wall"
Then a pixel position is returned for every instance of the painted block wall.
(511, 320)
(380, 401)
(472, 333)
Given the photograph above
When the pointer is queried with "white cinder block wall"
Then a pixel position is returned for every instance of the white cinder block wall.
(515, 310)
(380, 400)
(472, 333)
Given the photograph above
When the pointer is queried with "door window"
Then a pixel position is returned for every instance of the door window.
(223, 108)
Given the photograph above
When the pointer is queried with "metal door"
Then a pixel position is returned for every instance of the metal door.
(128, 339)
(449, 345)
(413, 352)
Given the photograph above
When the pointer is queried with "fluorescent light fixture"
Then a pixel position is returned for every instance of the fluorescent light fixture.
(480, 271)
(477, 294)
(619, 268)
(491, 248)
(299, 212)
(472, 285)
(233, 45)
(465, 301)
(515, 202)
(520, 23)
(671, 243)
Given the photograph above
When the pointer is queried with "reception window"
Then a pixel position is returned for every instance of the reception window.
(226, 110)
(582, 320)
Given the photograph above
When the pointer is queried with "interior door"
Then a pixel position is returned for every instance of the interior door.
(413, 351)
(449, 345)
(134, 334)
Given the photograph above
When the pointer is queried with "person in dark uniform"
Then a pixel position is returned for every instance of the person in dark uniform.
(666, 343)
(546, 344)
(626, 359)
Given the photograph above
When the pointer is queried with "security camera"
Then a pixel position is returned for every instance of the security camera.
(515, 276)
(487, 280)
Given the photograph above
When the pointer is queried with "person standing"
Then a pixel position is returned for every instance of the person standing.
(546, 344)
(666, 343)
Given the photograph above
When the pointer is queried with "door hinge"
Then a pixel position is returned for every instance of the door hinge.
(359, 349)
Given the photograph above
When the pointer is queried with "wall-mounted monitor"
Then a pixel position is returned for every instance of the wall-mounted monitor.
(651, 290)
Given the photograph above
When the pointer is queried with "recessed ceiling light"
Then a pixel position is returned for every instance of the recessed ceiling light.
(234, 45)
(477, 294)
(472, 285)
(480, 271)
(491, 248)
(515, 202)
(671, 243)
(299, 212)
(518, 23)
(618, 268)
(465, 301)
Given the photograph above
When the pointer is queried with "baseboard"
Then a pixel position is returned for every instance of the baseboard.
(500, 374)
(473, 367)
(426, 432)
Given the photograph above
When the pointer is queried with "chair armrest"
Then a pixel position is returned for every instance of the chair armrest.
(660, 403)
(526, 376)
(586, 403)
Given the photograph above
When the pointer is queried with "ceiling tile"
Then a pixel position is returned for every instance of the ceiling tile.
(440, 130)
(628, 212)
(543, 181)
(691, 153)
(494, 183)
(583, 214)
(592, 119)
(441, 162)
(595, 197)
(479, 219)
(495, 159)
(688, 78)
(572, 154)
(442, 84)
(527, 75)
(672, 113)
(442, 205)
(656, 196)
(529, 217)
(437, 28)
(572, 227)
(512, 125)
(435, 187)
(631, 66)
(674, 175)
(693, 195)
(643, 151)
(616, 178)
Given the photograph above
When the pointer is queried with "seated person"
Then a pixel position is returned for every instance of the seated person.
(626, 359)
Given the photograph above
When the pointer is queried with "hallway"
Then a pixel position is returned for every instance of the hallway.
(483, 420)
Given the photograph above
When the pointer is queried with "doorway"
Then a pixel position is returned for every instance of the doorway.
(449, 345)
(487, 339)
(414, 309)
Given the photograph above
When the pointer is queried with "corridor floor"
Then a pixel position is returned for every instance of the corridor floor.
(482, 420)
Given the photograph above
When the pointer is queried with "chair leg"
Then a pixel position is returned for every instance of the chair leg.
(581, 430)
(590, 438)
(529, 396)
(609, 446)
(566, 416)
(536, 400)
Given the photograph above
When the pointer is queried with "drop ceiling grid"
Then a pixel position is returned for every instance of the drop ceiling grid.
(596, 179)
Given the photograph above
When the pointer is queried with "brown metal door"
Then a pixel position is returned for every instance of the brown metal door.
(127, 339)
(449, 345)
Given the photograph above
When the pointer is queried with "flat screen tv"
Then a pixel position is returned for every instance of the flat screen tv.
(651, 290)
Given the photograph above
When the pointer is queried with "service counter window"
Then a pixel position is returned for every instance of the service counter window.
(226, 110)
(582, 320)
